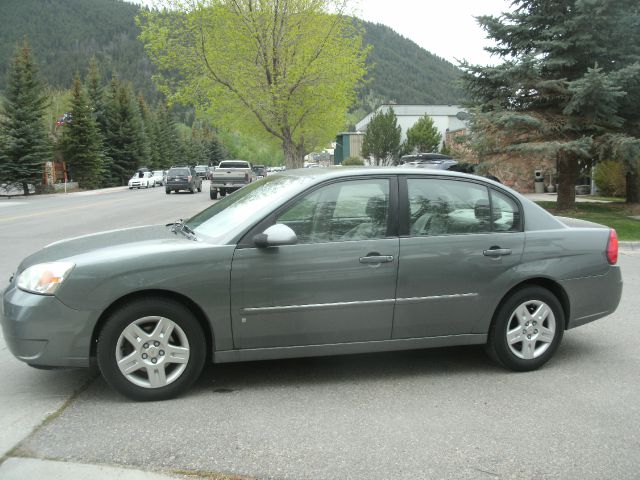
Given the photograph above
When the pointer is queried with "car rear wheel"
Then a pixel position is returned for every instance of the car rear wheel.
(527, 329)
(151, 349)
(213, 194)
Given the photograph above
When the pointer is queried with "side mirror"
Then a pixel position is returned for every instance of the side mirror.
(275, 236)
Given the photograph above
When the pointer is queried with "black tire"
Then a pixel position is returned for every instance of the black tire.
(213, 194)
(167, 191)
(188, 327)
(515, 357)
(223, 192)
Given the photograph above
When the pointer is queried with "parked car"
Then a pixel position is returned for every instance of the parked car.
(141, 180)
(438, 161)
(260, 171)
(315, 262)
(230, 176)
(183, 178)
(158, 177)
(201, 171)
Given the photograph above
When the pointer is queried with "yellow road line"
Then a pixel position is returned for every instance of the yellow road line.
(59, 210)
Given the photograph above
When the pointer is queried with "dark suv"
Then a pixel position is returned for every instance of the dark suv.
(183, 178)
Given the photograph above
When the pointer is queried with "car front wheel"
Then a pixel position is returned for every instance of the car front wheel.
(213, 194)
(151, 349)
(527, 329)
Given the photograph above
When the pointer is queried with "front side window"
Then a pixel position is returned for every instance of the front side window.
(447, 207)
(351, 210)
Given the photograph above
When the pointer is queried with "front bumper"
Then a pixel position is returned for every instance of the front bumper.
(42, 331)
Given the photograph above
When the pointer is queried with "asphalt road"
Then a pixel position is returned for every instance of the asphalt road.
(447, 413)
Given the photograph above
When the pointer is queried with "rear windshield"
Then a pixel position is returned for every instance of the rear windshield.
(233, 165)
(179, 171)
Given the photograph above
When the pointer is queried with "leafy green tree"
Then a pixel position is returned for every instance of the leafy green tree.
(82, 142)
(382, 138)
(287, 68)
(563, 87)
(423, 136)
(24, 147)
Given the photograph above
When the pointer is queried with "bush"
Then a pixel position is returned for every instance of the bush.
(610, 178)
(353, 161)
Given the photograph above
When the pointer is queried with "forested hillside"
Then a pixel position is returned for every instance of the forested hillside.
(405, 73)
(64, 34)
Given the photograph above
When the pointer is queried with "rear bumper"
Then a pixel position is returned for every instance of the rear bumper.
(179, 185)
(41, 330)
(592, 298)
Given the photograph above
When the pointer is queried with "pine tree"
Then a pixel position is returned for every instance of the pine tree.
(95, 93)
(124, 137)
(423, 136)
(563, 85)
(169, 141)
(82, 142)
(382, 138)
(25, 146)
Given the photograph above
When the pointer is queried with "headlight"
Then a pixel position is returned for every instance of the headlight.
(44, 278)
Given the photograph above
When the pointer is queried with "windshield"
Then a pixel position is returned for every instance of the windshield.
(231, 215)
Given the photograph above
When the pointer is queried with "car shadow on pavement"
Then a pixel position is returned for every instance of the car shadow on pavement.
(369, 367)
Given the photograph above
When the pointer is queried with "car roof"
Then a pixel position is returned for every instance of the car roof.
(332, 172)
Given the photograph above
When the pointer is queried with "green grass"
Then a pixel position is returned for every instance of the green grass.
(614, 215)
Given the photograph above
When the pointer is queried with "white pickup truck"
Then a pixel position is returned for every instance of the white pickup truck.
(230, 176)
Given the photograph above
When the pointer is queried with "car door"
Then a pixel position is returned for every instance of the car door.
(336, 285)
(459, 240)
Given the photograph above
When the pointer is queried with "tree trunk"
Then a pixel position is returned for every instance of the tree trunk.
(633, 189)
(567, 177)
(293, 154)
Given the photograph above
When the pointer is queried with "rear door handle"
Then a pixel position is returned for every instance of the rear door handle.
(376, 259)
(497, 252)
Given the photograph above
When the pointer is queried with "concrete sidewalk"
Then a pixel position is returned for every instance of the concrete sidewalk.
(16, 468)
(553, 197)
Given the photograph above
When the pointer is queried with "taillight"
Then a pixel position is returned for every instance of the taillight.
(246, 177)
(612, 247)
(189, 178)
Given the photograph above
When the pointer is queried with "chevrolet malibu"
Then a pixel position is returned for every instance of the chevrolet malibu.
(314, 262)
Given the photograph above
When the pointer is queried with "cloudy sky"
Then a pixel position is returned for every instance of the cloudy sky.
(445, 28)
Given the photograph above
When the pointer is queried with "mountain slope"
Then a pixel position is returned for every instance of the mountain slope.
(64, 34)
(407, 74)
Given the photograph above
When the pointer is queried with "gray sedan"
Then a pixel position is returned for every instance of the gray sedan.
(314, 262)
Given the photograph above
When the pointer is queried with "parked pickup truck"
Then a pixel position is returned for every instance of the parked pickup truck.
(230, 176)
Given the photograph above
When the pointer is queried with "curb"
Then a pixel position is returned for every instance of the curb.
(629, 246)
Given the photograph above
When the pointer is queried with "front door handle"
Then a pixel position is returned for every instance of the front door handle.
(376, 259)
(497, 252)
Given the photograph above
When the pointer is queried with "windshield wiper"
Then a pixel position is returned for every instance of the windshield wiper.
(183, 228)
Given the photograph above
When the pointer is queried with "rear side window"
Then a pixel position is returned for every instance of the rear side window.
(505, 213)
(447, 207)
(234, 165)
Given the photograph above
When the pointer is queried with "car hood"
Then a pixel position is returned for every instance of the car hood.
(129, 242)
